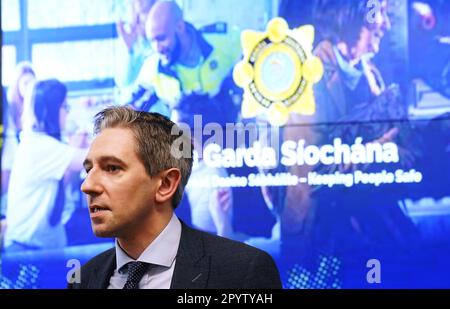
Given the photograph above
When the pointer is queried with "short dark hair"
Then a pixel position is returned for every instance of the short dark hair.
(47, 98)
(154, 136)
(340, 20)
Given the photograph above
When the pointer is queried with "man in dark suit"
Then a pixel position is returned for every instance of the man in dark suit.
(137, 168)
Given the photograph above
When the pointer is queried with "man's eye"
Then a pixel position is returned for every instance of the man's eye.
(112, 168)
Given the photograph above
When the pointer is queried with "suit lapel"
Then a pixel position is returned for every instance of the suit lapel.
(103, 272)
(192, 265)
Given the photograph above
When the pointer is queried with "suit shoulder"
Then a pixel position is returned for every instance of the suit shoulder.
(238, 265)
(97, 260)
(224, 247)
(90, 269)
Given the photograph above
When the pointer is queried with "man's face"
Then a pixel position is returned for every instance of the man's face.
(376, 28)
(119, 191)
(163, 36)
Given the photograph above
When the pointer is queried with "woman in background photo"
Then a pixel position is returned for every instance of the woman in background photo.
(43, 160)
(21, 85)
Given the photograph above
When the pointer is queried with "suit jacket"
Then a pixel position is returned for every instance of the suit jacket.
(203, 261)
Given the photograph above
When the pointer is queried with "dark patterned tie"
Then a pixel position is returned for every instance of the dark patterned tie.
(136, 271)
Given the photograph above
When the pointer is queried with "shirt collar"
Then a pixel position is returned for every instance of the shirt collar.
(161, 251)
(350, 74)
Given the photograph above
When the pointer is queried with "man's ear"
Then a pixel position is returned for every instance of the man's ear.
(170, 180)
(180, 27)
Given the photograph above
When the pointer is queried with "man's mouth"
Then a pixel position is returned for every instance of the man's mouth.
(165, 58)
(96, 208)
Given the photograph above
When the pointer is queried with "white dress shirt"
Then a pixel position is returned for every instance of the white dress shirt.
(161, 254)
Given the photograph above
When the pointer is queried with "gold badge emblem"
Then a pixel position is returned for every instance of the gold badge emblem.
(278, 71)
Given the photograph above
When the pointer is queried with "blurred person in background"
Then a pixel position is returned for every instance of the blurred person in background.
(339, 221)
(133, 39)
(185, 61)
(43, 159)
(23, 80)
(22, 83)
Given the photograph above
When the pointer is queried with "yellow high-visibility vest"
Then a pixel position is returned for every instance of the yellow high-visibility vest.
(220, 52)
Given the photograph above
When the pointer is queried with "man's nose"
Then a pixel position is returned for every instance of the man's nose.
(160, 48)
(91, 185)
